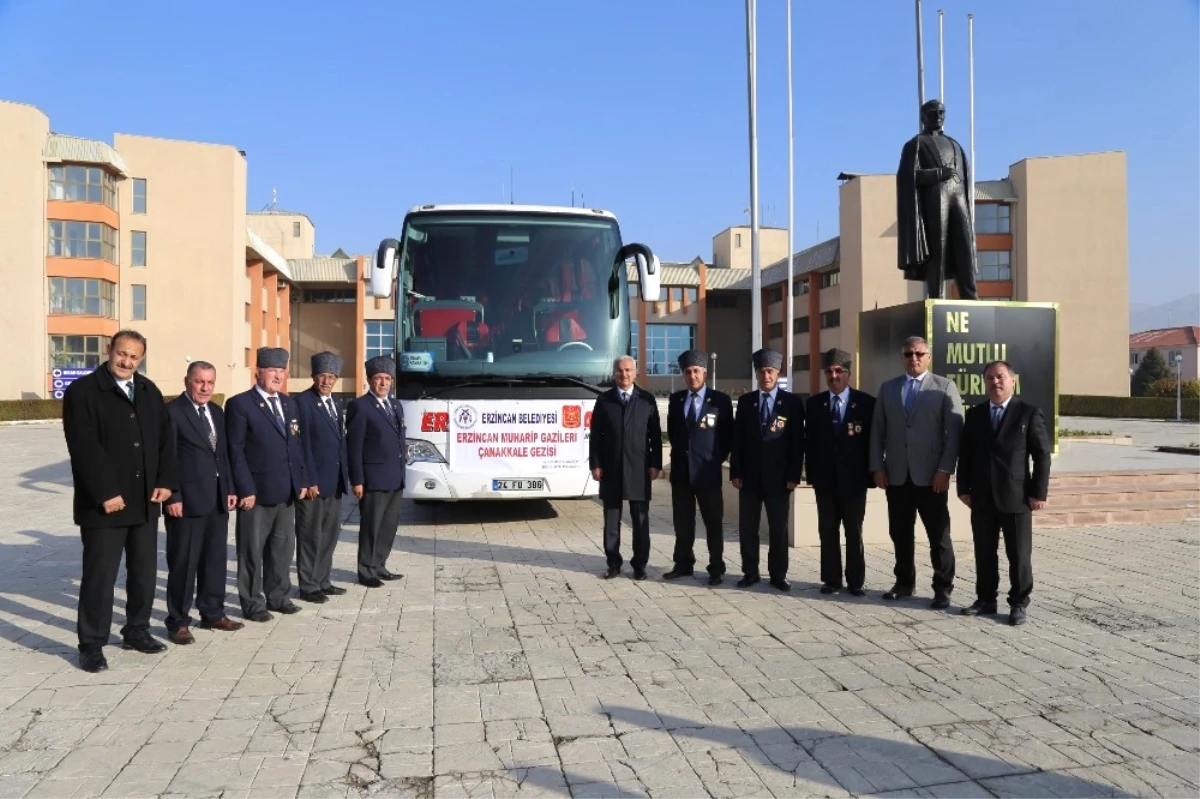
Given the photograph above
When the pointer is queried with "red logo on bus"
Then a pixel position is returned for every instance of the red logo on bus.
(587, 420)
(571, 415)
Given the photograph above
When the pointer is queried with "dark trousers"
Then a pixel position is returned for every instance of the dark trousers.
(684, 501)
(833, 513)
(986, 526)
(905, 502)
(750, 507)
(639, 517)
(948, 221)
(102, 548)
(266, 541)
(196, 548)
(379, 516)
(318, 522)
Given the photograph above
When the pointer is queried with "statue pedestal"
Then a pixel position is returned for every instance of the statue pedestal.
(964, 337)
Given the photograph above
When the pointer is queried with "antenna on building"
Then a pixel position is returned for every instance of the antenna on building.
(511, 178)
(274, 199)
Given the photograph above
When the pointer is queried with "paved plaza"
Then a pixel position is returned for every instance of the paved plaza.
(503, 666)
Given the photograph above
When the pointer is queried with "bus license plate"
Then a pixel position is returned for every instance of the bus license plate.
(518, 485)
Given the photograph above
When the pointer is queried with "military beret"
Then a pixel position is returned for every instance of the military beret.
(272, 358)
(689, 358)
(381, 365)
(326, 363)
(768, 358)
(836, 357)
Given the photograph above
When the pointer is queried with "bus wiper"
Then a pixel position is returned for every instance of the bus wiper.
(574, 381)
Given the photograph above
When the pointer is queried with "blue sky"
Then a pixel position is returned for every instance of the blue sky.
(358, 110)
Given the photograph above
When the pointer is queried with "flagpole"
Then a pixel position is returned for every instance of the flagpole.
(788, 307)
(755, 273)
(971, 111)
(941, 60)
(920, 65)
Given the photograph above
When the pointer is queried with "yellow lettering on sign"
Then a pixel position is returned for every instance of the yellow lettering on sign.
(958, 322)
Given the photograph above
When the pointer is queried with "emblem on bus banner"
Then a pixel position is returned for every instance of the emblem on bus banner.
(465, 417)
(572, 416)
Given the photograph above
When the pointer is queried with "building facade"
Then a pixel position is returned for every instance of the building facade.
(1171, 342)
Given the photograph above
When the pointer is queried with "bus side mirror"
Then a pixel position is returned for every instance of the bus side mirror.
(379, 282)
(649, 271)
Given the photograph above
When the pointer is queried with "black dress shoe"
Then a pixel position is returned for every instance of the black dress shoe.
(858, 592)
(92, 661)
(143, 642)
(897, 592)
(781, 584)
(980, 608)
(941, 601)
(371, 582)
(333, 590)
(715, 579)
(1016, 616)
(830, 589)
(260, 617)
(677, 572)
(316, 597)
(387, 575)
(612, 572)
(748, 581)
(639, 574)
(287, 608)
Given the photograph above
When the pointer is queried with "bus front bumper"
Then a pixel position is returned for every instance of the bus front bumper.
(436, 482)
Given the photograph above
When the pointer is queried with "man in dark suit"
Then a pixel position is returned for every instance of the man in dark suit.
(123, 467)
(198, 513)
(766, 466)
(700, 429)
(914, 446)
(318, 521)
(1001, 439)
(375, 449)
(625, 455)
(837, 434)
(270, 474)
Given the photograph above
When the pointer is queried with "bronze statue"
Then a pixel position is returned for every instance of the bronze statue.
(933, 219)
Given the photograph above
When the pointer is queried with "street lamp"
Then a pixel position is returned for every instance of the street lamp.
(1178, 358)
(714, 370)
(1132, 369)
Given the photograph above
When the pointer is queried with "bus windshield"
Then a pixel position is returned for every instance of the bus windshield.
(509, 295)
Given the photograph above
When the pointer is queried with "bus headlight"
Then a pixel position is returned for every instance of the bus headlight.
(423, 452)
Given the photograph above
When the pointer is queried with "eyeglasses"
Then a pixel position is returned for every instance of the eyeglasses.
(836, 371)
(914, 354)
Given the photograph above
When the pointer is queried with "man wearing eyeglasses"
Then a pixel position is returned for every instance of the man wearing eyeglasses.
(914, 445)
(837, 432)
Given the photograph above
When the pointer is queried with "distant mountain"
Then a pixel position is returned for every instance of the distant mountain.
(1176, 313)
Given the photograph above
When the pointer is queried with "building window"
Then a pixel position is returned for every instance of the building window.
(676, 296)
(663, 345)
(83, 240)
(87, 184)
(800, 287)
(139, 195)
(1134, 358)
(800, 363)
(691, 295)
(774, 294)
(138, 247)
(633, 291)
(737, 240)
(329, 295)
(295, 230)
(725, 300)
(800, 325)
(1172, 355)
(633, 339)
(138, 303)
(831, 278)
(775, 330)
(831, 319)
(73, 296)
(380, 338)
(995, 265)
(993, 218)
(77, 352)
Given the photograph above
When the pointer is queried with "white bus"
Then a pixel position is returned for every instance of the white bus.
(508, 319)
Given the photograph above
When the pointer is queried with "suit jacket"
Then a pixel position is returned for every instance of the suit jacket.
(837, 457)
(325, 439)
(768, 457)
(375, 444)
(921, 443)
(626, 442)
(269, 464)
(205, 482)
(117, 448)
(698, 450)
(1003, 469)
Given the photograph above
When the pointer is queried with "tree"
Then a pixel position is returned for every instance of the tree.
(1166, 388)
(1152, 369)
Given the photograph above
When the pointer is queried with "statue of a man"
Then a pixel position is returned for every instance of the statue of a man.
(935, 234)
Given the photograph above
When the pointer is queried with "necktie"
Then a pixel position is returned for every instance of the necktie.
(910, 399)
(997, 412)
(694, 411)
(624, 398)
(766, 409)
(277, 413)
(129, 389)
(329, 409)
(212, 435)
(836, 413)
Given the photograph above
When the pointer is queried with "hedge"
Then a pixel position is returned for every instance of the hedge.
(30, 410)
(1126, 407)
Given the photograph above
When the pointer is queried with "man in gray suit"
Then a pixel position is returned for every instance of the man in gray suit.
(914, 445)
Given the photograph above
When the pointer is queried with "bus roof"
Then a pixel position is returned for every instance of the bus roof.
(499, 208)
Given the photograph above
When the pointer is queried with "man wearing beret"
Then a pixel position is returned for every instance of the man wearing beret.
(700, 429)
(375, 449)
(318, 521)
(837, 435)
(270, 474)
(767, 464)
